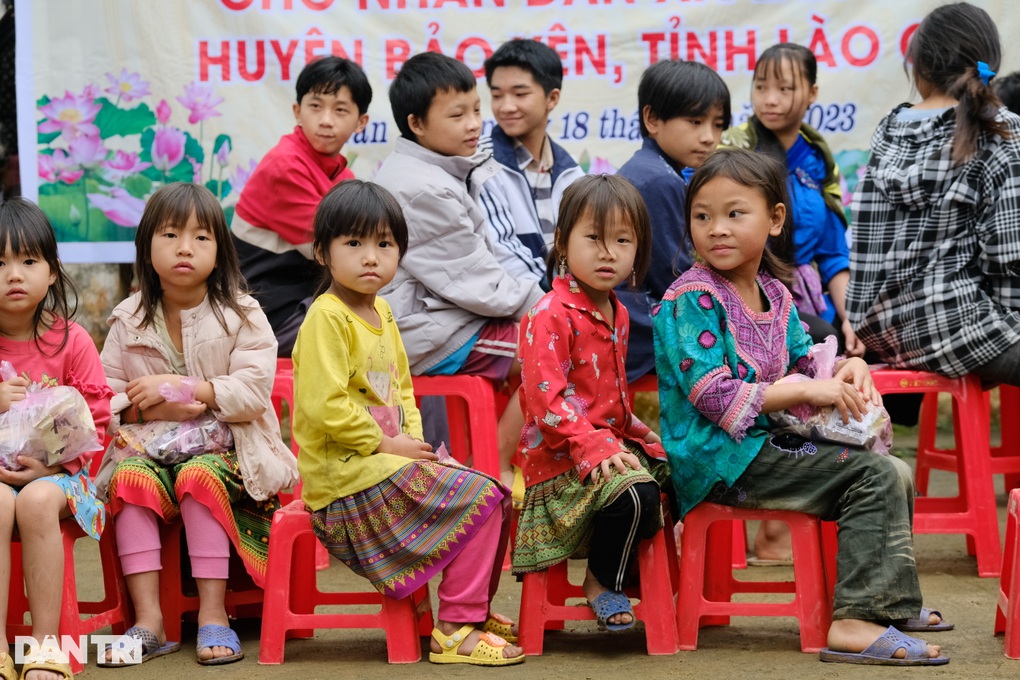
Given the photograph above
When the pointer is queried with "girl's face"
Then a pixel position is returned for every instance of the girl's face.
(183, 255)
(781, 96)
(601, 264)
(361, 266)
(730, 225)
(25, 280)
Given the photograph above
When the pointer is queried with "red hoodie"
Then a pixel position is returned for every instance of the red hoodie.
(286, 187)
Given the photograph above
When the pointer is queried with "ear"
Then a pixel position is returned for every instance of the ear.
(53, 277)
(297, 110)
(651, 120)
(813, 95)
(778, 219)
(362, 122)
(319, 257)
(416, 124)
(552, 99)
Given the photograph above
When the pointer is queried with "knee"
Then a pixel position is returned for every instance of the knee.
(39, 504)
(640, 500)
(894, 474)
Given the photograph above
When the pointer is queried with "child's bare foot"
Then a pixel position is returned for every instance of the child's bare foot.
(592, 589)
(448, 628)
(854, 635)
(772, 543)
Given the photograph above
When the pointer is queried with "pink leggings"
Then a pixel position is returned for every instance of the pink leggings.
(139, 546)
(471, 578)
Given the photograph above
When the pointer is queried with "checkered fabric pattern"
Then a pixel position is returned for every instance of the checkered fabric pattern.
(935, 259)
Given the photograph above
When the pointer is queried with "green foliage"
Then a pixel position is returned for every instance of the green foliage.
(112, 120)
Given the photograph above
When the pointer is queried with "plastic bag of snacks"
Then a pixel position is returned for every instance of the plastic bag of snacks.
(872, 432)
(52, 424)
(171, 442)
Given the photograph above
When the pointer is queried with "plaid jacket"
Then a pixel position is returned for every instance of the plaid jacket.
(935, 261)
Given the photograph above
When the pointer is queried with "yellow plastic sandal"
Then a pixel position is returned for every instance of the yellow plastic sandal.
(500, 625)
(43, 662)
(7, 671)
(488, 651)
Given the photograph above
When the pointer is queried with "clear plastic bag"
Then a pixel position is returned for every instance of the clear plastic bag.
(169, 442)
(52, 424)
(872, 432)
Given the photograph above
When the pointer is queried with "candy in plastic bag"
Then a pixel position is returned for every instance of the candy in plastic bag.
(170, 442)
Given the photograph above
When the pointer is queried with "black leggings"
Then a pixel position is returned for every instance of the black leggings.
(617, 532)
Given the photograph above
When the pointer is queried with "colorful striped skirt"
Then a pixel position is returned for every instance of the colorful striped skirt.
(212, 479)
(404, 530)
(556, 521)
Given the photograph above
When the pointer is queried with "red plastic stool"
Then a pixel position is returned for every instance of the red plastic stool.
(544, 595)
(292, 596)
(972, 511)
(77, 618)
(471, 411)
(707, 584)
(1007, 610)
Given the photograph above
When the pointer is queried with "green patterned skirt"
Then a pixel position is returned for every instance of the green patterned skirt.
(556, 521)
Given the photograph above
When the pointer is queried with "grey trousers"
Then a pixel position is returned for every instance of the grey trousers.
(871, 499)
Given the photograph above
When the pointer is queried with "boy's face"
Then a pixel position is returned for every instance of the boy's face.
(687, 139)
(329, 120)
(519, 104)
(452, 124)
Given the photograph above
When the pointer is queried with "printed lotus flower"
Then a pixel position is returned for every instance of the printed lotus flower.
(196, 167)
(71, 116)
(223, 153)
(123, 164)
(88, 152)
(167, 148)
(91, 91)
(241, 176)
(119, 206)
(200, 100)
(127, 86)
(162, 112)
(57, 167)
(601, 166)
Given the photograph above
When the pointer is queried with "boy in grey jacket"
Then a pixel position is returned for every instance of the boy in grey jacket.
(457, 308)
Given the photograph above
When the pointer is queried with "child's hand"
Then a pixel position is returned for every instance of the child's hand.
(856, 371)
(407, 446)
(838, 393)
(854, 347)
(653, 438)
(34, 469)
(619, 462)
(144, 392)
(11, 391)
(174, 411)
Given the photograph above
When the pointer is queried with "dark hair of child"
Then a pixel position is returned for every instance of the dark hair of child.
(355, 208)
(945, 51)
(538, 59)
(674, 88)
(25, 230)
(755, 171)
(327, 75)
(419, 80)
(603, 199)
(1007, 88)
(174, 204)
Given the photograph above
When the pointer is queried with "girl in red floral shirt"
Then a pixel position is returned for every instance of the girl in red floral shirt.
(592, 470)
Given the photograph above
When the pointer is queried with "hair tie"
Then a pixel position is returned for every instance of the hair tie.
(984, 73)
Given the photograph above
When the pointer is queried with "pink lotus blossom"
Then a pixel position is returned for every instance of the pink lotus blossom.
(91, 91)
(241, 176)
(124, 164)
(163, 111)
(58, 167)
(200, 100)
(600, 166)
(71, 116)
(88, 151)
(223, 155)
(127, 86)
(119, 206)
(196, 167)
(167, 148)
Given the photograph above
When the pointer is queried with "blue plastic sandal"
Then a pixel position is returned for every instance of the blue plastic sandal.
(219, 636)
(608, 605)
(882, 652)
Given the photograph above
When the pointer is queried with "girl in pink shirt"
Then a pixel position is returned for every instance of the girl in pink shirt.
(591, 469)
(46, 349)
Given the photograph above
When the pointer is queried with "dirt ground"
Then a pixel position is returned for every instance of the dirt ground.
(757, 648)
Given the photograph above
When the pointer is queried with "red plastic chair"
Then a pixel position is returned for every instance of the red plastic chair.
(113, 610)
(292, 596)
(545, 593)
(472, 413)
(707, 585)
(972, 511)
(1007, 611)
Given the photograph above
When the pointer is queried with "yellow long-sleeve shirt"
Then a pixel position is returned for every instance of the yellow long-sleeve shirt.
(351, 386)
